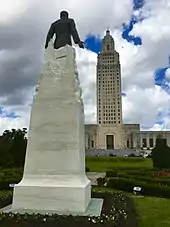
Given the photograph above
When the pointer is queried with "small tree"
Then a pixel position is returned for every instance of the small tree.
(161, 154)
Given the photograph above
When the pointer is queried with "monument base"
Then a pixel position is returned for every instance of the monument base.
(65, 194)
(94, 209)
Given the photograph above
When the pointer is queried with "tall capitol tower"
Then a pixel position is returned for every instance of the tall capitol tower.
(109, 103)
(109, 132)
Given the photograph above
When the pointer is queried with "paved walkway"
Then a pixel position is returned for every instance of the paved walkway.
(92, 176)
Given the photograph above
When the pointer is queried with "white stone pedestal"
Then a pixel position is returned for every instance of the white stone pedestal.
(54, 175)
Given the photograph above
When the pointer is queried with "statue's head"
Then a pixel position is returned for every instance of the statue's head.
(63, 14)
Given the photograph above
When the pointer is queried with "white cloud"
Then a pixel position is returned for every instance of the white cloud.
(143, 105)
(10, 10)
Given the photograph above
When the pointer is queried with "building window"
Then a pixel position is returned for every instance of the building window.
(151, 142)
(92, 143)
(144, 142)
(108, 47)
(127, 143)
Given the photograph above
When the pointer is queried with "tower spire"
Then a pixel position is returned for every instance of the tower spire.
(108, 42)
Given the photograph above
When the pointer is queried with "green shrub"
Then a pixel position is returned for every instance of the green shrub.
(121, 184)
(9, 176)
(127, 184)
(147, 179)
(161, 154)
(101, 181)
(111, 173)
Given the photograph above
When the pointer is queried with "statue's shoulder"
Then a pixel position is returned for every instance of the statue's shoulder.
(71, 19)
(55, 22)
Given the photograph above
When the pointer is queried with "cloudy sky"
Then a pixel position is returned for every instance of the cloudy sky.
(141, 30)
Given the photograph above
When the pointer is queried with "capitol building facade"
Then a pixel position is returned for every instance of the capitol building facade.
(110, 132)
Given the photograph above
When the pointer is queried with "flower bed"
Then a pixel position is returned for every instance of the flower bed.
(161, 174)
(118, 211)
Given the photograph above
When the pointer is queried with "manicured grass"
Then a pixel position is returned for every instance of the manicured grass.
(102, 164)
(153, 212)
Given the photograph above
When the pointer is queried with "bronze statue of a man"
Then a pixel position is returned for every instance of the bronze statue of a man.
(63, 29)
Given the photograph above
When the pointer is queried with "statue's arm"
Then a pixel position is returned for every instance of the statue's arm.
(74, 32)
(49, 35)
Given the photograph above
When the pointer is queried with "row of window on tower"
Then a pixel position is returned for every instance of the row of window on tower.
(109, 122)
(109, 104)
(110, 110)
(110, 70)
(106, 118)
(108, 82)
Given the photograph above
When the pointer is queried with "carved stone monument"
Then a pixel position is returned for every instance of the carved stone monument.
(54, 174)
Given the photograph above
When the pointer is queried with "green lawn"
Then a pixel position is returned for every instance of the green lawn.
(153, 212)
(102, 164)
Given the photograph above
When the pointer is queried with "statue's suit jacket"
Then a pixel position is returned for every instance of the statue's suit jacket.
(63, 29)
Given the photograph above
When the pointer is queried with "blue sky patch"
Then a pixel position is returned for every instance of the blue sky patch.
(124, 94)
(4, 114)
(12, 115)
(160, 76)
(160, 79)
(93, 43)
(159, 122)
(130, 38)
(138, 4)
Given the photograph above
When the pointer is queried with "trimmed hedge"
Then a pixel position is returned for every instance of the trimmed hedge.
(128, 173)
(141, 177)
(165, 182)
(9, 176)
(127, 184)
(111, 173)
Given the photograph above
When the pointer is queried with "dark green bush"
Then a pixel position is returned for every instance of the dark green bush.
(101, 181)
(147, 179)
(161, 154)
(87, 169)
(111, 173)
(150, 189)
(121, 184)
(9, 176)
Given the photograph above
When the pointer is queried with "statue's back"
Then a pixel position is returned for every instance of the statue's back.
(64, 28)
